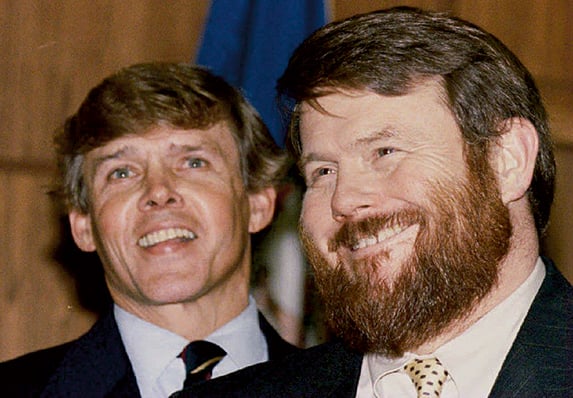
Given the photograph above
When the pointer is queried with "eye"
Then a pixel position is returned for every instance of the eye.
(195, 163)
(120, 173)
(386, 151)
(323, 171)
(312, 177)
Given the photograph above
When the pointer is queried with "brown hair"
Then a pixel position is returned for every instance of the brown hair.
(390, 51)
(141, 96)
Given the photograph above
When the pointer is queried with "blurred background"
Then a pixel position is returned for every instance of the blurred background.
(53, 52)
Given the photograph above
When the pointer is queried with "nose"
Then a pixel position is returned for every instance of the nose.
(160, 191)
(354, 197)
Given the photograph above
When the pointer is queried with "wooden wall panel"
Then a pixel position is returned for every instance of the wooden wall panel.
(559, 244)
(38, 302)
(540, 32)
(54, 51)
(541, 35)
(341, 9)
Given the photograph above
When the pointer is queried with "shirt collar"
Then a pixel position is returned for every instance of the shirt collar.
(151, 349)
(243, 341)
(487, 342)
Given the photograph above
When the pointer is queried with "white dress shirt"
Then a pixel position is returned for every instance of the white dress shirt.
(153, 351)
(486, 342)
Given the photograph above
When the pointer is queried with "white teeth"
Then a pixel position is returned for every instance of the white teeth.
(164, 235)
(372, 240)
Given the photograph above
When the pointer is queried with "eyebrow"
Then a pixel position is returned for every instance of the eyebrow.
(387, 132)
(183, 148)
(174, 148)
(202, 146)
(98, 161)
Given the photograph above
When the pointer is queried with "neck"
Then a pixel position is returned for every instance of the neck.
(193, 320)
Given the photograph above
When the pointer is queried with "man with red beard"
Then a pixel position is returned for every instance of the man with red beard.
(429, 173)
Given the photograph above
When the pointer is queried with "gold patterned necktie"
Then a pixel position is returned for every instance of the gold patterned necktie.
(428, 376)
(200, 358)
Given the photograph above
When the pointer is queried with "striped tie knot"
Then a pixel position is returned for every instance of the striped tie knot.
(200, 357)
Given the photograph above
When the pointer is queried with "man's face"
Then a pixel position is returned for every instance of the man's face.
(392, 218)
(170, 217)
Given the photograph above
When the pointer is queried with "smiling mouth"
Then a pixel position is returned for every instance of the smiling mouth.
(382, 235)
(164, 235)
(362, 234)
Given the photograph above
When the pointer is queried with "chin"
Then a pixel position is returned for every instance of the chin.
(172, 291)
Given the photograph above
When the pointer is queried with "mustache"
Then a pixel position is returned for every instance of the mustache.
(350, 232)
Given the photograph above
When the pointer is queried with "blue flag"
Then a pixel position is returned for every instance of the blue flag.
(249, 42)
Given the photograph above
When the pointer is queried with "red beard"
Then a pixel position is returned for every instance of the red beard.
(453, 267)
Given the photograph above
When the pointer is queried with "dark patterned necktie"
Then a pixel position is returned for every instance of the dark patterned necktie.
(428, 376)
(200, 358)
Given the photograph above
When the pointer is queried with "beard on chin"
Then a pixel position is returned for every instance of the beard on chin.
(454, 265)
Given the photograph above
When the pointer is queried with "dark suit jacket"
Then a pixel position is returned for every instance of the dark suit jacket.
(539, 364)
(95, 365)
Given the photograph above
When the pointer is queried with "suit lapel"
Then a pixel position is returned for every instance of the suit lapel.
(328, 370)
(540, 358)
(96, 365)
(345, 373)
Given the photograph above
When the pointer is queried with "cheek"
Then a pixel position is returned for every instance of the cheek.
(113, 217)
(315, 218)
(225, 212)
(308, 212)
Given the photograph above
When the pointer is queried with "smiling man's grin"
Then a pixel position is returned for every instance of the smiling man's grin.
(382, 235)
(164, 235)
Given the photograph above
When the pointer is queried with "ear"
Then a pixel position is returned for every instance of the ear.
(81, 226)
(514, 158)
(262, 208)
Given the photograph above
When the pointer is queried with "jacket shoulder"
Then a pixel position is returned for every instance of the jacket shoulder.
(28, 374)
(327, 370)
(539, 362)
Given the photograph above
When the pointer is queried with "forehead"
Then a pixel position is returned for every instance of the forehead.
(421, 114)
(217, 138)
